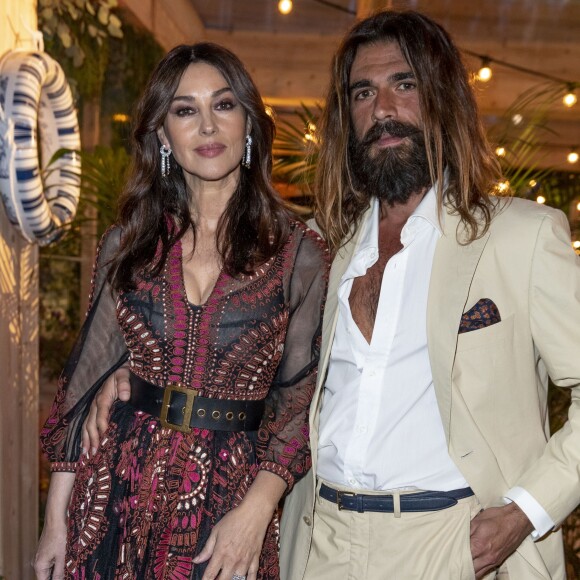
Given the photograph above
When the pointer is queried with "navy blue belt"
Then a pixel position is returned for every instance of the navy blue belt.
(422, 501)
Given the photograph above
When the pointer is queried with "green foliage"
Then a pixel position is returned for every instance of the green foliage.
(102, 178)
(296, 148)
(131, 61)
(521, 131)
(76, 33)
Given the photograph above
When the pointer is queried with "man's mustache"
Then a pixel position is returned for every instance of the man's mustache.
(389, 127)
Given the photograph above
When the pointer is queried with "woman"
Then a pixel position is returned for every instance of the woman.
(212, 293)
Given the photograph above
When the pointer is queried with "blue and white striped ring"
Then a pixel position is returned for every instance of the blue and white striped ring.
(35, 99)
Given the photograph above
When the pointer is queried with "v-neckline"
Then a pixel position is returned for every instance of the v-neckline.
(191, 303)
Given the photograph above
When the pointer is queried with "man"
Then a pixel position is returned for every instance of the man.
(447, 309)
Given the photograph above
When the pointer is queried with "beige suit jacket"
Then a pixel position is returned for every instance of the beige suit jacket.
(491, 384)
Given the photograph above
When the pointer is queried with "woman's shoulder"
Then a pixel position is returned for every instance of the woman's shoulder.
(308, 240)
(110, 241)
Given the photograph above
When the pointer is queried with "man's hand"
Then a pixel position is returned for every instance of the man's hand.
(495, 535)
(117, 386)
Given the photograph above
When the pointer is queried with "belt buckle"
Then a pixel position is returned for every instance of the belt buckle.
(339, 496)
(190, 395)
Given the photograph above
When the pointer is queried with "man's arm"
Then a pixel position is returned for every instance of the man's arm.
(550, 489)
(116, 386)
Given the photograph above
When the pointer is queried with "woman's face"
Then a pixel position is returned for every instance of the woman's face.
(205, 128)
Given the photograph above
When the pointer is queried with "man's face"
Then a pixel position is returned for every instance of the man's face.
(382, 87)
(387, 147)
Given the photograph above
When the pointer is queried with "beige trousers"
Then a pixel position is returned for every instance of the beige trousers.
(348, 545)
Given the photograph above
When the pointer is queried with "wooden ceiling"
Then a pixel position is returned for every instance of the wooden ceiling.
(289, 56)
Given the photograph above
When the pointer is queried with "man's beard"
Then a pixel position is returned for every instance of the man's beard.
(392, 174)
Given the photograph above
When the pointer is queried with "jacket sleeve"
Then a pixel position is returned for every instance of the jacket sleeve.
(98, 351)
(554, 480)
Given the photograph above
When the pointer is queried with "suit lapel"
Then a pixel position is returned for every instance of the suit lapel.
(454, 266)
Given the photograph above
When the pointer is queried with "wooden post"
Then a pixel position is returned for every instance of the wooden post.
(18, 360)
(90, 134)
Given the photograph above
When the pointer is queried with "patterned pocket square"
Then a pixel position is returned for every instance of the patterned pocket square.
(484, 313)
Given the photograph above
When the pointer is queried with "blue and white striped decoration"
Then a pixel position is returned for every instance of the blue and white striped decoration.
(35, 99)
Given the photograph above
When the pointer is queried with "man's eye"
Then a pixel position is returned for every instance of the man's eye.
(362, 95)
(407, 86)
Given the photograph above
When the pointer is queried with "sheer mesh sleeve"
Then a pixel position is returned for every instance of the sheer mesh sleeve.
(98, 351)
(283, 438)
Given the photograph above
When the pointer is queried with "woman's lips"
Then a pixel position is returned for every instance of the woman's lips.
(210, 150)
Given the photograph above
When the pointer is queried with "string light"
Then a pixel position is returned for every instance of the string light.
(485, 59)
(503, 187)
(532, 183)
(517, 119)
(285, 6)
(570, 98)
(578, 206)
(500, 151)
(484, 73)
(541, 199)
(576, 244)
(572, 156)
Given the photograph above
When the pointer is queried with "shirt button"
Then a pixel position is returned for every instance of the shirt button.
(373, 374)
(307, 520)
(352, 481)
(361, 428)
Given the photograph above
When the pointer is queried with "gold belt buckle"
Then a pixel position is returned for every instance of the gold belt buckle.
(190, 394)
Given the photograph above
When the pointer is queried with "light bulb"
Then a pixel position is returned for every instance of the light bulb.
(570, 98)
(576, 244)
(532, 183)
(500, 151)
(572, 157)
(578, 206)
(541, 199)
(517, 119)
(503, 186)
(484, 73)
(285, 6)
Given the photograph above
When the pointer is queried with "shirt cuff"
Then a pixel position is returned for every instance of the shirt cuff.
(539, 517)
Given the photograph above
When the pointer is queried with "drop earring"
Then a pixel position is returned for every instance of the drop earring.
(247, 158)
(165, 165)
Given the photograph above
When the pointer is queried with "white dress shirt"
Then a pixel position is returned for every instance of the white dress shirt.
(380, 426)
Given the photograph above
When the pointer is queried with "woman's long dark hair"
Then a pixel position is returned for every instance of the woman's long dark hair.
(154, 212)
(461, 160)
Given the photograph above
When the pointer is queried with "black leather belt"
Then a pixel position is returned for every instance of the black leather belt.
(181, 408)
(422, 501)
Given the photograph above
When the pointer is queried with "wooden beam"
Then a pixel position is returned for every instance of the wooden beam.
(365, 8)
(171, 22)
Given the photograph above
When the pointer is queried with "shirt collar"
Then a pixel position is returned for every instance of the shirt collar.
(427, 210)
(367, 251)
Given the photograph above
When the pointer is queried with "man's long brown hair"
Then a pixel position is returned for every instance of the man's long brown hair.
(155, 212)
(461, 161)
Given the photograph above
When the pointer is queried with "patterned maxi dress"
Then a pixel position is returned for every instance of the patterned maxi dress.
(144, 505)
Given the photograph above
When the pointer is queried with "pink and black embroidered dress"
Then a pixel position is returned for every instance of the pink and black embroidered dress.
(144, 505)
